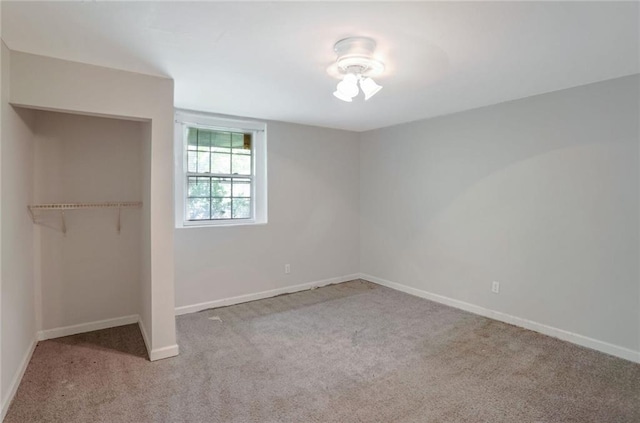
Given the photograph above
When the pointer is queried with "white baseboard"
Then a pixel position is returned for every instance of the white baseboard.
(261, 295)
(165, 352)
(145, 338)
(17, 378)
(564, 335)
(158, 353)
(87, 327)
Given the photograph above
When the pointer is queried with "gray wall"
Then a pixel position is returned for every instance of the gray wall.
(540, 194)
(313, 223)
(17, 277)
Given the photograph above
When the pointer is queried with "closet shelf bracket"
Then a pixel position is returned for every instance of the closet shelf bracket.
(81, 206)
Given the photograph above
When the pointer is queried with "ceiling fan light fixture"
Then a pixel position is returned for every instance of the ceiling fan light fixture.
(355, 60)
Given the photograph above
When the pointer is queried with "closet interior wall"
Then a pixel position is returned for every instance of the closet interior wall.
(90, 273)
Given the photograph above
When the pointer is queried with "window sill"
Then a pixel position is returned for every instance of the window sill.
(200, 225)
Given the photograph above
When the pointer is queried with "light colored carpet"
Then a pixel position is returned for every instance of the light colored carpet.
(353, 352)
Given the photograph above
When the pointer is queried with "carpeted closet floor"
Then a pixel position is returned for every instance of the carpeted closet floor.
(354, 352)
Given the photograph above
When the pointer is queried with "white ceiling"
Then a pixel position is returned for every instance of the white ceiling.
(269, 60)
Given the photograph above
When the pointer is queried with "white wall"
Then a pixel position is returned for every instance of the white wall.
(45, 83)
(3, 105)
(17, 276)
(312, 223)
(540, 194)
(92, 273)
(144, 304)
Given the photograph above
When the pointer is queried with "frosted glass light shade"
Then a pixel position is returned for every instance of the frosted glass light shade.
(342, 96)
(349, 85)
(369, 87)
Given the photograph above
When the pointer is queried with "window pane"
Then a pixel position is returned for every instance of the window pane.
(192, 137)
(221, 208)
(221, 187)
(198, 209)
(199, 187)
(241, 164)
(241, 188)
(204, 140)
(192, 161)
(221, 163)
(203, 162)
(243, 141)
(241, 208)
(221, 139)
(240, 141)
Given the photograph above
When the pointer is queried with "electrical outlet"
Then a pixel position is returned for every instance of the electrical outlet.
(287, 269)
(495, 287)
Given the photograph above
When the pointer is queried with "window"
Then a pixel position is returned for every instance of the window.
(221, 169)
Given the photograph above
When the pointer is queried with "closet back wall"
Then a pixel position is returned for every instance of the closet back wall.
(92, 273)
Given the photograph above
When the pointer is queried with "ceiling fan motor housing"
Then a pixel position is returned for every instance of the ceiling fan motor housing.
(355, 55)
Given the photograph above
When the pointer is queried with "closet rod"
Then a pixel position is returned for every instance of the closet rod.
(78, 206)
(73, 206)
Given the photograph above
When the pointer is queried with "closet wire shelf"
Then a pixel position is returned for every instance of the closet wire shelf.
(80, 206)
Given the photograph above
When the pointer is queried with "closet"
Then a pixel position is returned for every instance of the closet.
(95, 194)
(87, 202)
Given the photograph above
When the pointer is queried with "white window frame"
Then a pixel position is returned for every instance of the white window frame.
(187, 118)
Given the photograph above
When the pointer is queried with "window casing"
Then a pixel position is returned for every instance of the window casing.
(220, 171)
